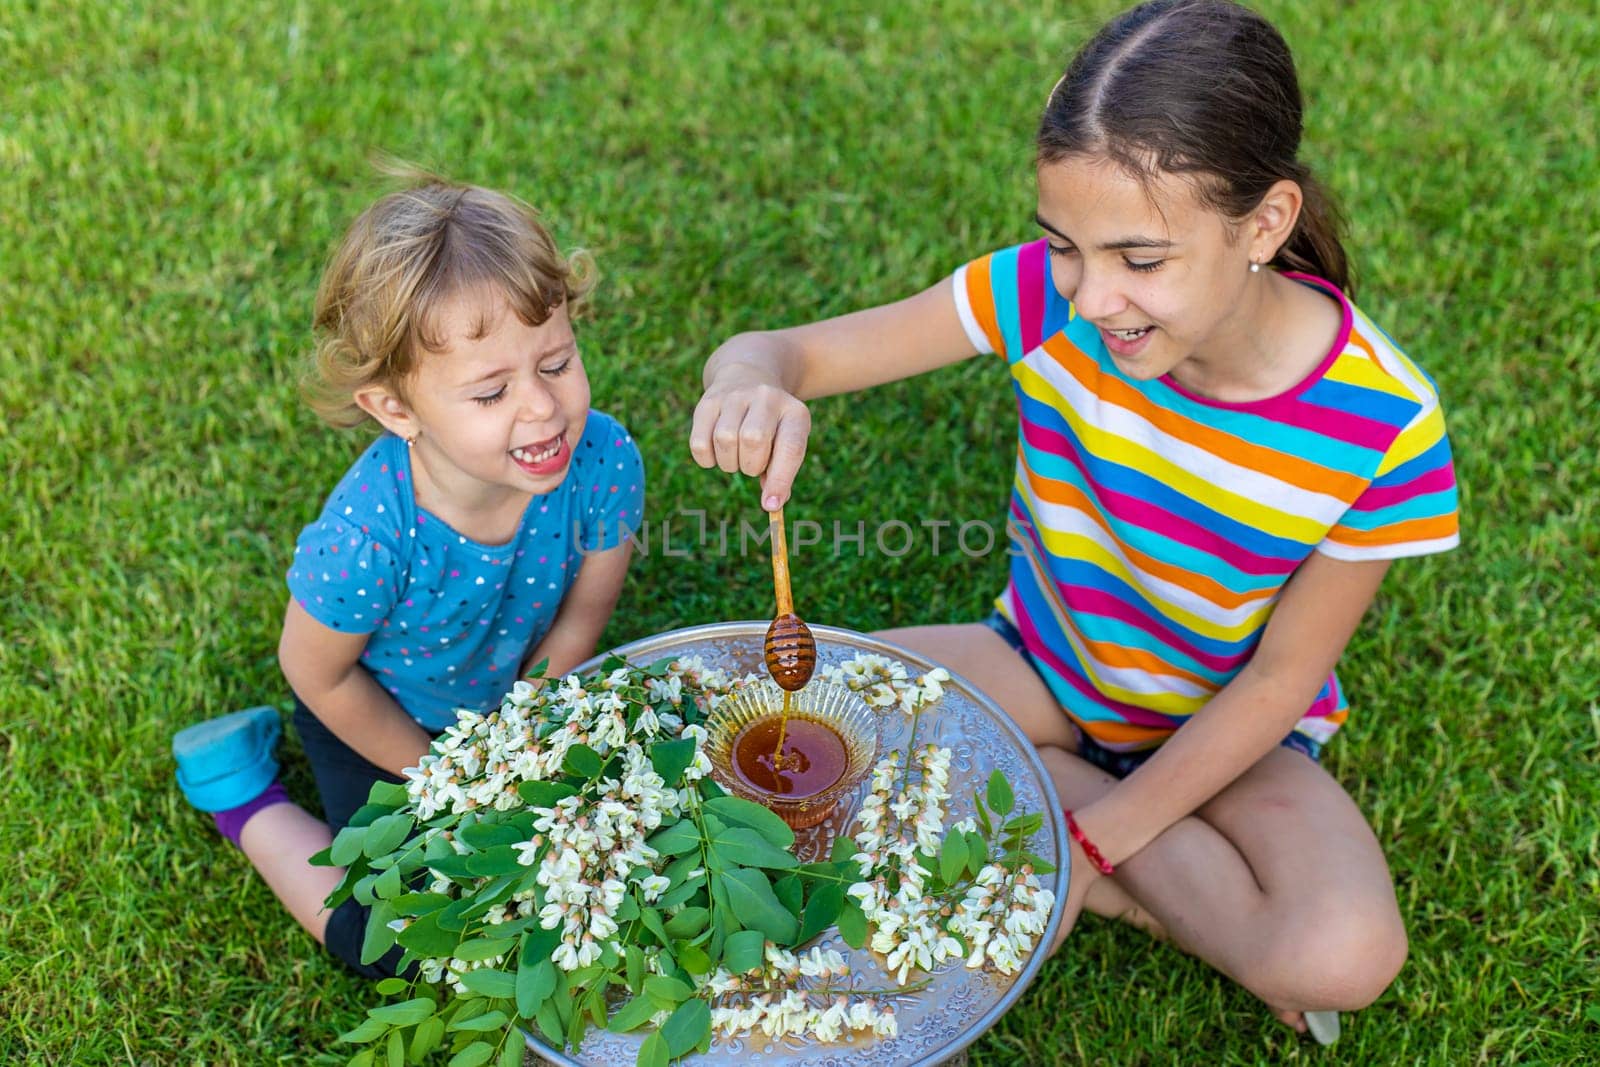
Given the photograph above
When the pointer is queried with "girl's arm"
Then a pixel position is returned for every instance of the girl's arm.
(1318, 611)
(584, 612)
(323, 667)
(752, 418)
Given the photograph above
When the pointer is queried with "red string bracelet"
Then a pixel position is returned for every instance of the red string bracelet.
(1088, 846)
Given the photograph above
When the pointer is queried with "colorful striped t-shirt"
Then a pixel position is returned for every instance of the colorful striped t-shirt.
(1151, 529)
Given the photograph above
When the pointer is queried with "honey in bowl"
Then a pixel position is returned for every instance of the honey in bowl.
(811, 758)
(828, 745)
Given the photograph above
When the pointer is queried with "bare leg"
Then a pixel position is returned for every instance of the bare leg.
(278, 840)
(1277, 881)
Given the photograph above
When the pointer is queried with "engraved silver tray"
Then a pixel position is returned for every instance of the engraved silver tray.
(937, 1023)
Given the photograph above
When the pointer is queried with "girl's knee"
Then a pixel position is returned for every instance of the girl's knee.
(1340, 958)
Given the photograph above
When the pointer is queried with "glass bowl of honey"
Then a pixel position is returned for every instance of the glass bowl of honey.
(798, 754)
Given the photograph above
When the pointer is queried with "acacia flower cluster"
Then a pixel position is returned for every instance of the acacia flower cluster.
(792, 994)
(589, 847)
(885, 683)
(1002, 916)
(899, 838)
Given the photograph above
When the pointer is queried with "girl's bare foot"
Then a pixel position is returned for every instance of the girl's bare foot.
(1294, 1020)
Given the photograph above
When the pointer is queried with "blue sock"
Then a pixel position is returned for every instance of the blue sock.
(231, 822)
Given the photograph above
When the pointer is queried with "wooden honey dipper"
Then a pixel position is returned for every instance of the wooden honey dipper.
(791, 651)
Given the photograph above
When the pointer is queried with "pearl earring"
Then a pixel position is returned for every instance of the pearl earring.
(1255, 268)
(412, 440)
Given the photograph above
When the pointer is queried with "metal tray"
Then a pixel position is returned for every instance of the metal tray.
(939, 1022)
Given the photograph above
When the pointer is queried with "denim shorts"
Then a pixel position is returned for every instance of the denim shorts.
(1117, 764)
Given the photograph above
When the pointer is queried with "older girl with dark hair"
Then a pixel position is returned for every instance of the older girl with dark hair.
(1219, 455)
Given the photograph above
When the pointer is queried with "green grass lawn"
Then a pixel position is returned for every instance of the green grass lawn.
(171, 180)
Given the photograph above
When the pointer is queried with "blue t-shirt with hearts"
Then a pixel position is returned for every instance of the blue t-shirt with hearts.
(451, 619)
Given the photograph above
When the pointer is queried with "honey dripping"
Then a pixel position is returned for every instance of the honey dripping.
(789, 759)
(783, 728)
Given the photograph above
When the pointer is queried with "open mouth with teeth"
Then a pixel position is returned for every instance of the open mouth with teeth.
(1126, 343)
(543, 457)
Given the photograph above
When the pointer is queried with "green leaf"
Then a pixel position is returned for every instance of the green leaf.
(686, 1027)
(490, 983)
(363, 889)
(512, 1052)
(388, 987)
(370, 1029)
(758, 907)
(675, 839)
(666, 992)
(740, 846)
(497, 861)
(454, 916)
(419, 903)
(545, 794)
(549, 1020)
(425, 937)
(790, 892)
(983, 814)
(822, 910)
(1040, 865)
(652, 922)
(397, 1049)
(389, 885)
(653, 1053)
(389, 794)
(693, 958)
(484, 948)
(672, 758)
(362, 1058)
(489, 1020)
(852, 923)
(347, 845)
(680, 894)
(537, 944)
(999, 793)
(474, 1055)
(952, 857)
(977, 852)
(762, 820)
(406, 1013)
(688, 922)
(379, 937)
(483, 835)
(387, 834)
(676, 871)
(583, 761)
(633, 1015)
(1024, 825)
(744, 951)
(727, 920)
(428, 1034)
(635, 968)
(534, 986)
(452, 866)
(323, 858)
(843, 848)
